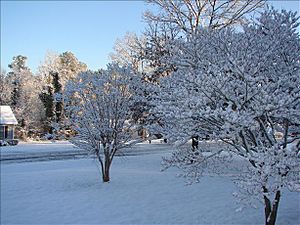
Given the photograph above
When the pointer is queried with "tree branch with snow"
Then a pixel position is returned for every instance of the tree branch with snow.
(240, 87)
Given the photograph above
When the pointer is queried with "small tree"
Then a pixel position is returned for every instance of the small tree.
(240, 88)
(99, 109)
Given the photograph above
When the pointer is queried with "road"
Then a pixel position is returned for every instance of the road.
(62, 152)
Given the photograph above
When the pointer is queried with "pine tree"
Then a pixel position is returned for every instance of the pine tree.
(18, 71)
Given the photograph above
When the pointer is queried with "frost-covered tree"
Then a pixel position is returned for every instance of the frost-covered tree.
(56, 71)
(24, 97)
(69, 67)
(128, 51)
(240, 88)
(174, 19)
(19, 72)
(45, 71)
(100, 110)
(5, 89)
(190, 15)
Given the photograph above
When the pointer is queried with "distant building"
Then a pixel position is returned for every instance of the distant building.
(7, 125)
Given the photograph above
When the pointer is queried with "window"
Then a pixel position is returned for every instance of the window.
(5, 132)
(1, 132)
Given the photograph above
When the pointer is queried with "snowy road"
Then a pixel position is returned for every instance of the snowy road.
(36, 152)
(43, 156)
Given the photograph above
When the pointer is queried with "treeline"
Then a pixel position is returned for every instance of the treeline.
(35, 98)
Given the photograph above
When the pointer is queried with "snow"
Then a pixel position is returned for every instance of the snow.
(71, 192)
(6, 115)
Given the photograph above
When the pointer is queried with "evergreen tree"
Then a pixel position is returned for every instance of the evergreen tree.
(18, 71)
(47, 99)
(57, 89)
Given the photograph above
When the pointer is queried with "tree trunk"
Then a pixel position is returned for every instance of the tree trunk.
(195, 142)
(271, 209)
(105, 176)
(104, 167)
(105, 171)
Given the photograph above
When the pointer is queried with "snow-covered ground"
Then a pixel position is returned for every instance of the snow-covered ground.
(71, 192)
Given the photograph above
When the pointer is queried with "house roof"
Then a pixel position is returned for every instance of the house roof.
(7, 116)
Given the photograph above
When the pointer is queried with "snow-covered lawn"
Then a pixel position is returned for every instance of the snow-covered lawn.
(71, 192)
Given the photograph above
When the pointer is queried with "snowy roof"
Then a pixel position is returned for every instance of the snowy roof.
(6, 115)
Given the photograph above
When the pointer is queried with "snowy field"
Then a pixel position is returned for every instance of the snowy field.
(71, 192)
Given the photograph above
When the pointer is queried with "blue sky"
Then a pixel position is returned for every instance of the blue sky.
(89, 29)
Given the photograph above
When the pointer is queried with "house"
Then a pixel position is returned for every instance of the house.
(7, 123)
